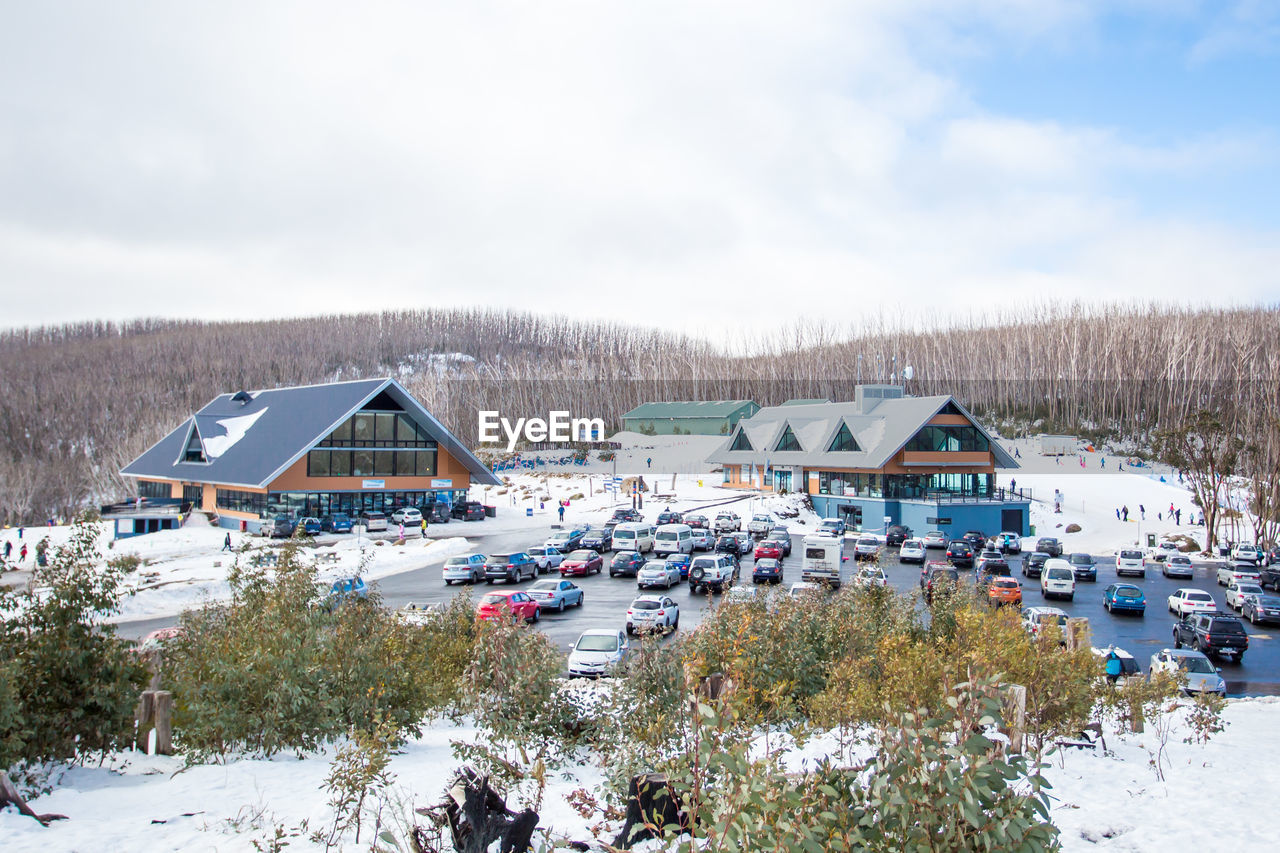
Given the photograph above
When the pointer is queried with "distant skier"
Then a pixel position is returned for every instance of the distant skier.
(1125, 512)
(22, 555)
(1142, 510)
(1117, 513)
(648, 462)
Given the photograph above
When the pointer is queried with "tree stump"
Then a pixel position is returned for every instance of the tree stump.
(651, 807)
(1078, 634)
(1015, 715)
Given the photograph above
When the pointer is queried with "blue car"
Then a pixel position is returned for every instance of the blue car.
(681, 562)
(337, 523)
(1125, 598)
(311, 526)
(344, 590)
(556, 595)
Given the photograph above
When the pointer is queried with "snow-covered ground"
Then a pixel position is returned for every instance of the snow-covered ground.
(1212, 797)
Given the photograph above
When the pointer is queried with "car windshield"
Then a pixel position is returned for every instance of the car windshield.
(1200, 596)
(1269, 601)
(911, 543)
(1194, 664)
(498, 560)
(597, 643)
(641, 604)
(1128, 590)
(656, 566)
(582, 555)
(457, 561)
(666, 535)
(549, 586)
(1179, 561)
(1052, 618)
(1059, 574)
(1131, 555)
(493, 598)
(868, 541)
(623, 557)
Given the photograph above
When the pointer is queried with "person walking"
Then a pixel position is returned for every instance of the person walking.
(1171, 509)
(424, 527)
(8, 549)
(649, 462)
(1142, 510)
(1117, 513)
(1125, 512)
(22, 555)
(1104, 462)
(561, 513)
(226, 542)
(1178, 516)
(1013, 485)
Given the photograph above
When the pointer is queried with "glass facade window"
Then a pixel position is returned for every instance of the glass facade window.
(379, 429)
(371, 463)
(320, 504)
(239, 501)
(193, 495)
(730, 473)
(318, 463)
(843, 441)
(939, 439)
(195, 450)
(154, 490)
(788, 440)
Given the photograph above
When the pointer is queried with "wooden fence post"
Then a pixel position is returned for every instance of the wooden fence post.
(145, 717)
(1078, 636)
(164, 722)
(1015, 715)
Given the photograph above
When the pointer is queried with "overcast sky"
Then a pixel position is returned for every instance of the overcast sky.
(709, 167)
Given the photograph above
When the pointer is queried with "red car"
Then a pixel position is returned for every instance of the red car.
(770, 548)
(507, 604)
(582, 562)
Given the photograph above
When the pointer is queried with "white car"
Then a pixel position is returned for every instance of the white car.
(547, 558)
(1228, 575)
(741, 595)
(653, 613)
(1185, 600)
(1058, 579)
(597, 652)
(727, 522)
(866, 548)
(1035, 618)
(1131, 561)
(1164, 551)
(799, 590)
(408, 516)
(912, 551)
(464, 568)
(869, 577)
(657, 573)
(1236, 592)
(759, 525)
(1246, 553)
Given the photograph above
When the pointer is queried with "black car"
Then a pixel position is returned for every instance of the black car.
(1269, 576)
(1049, 545)
(629, 514)
(669, 517)
(435, 513)
(1084, 567)
(626, 563)
(1211, 634)
(767, 570)
(976, 538)
(782, 535)
(995, 568)
(598, 539)
(282, 527)
(468, 510)
(1273, 556)
(896, 535)
(1033, 564)
(934, 578)
(960, 554)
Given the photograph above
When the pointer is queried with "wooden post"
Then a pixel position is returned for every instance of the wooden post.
(1078, 636)
(164, 722)
(145, 716)
(1015, 715)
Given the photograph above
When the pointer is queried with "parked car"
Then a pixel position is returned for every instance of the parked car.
(1126, 667)
(1124, 598)
(741, 595)
(597, 652)
(339, 522)
(1200, 673)
(1238, 591)
(976, 538)
(373, 521)
(1035, 619)
(1212, 634)
(409, 516)
(556, 595)
(1244, 553)
(997, 567)
(702, 539)
(870, 576)
(1033, 564)
(1270, 577)
(831, 527)
(468, 511)
(657, 573)
(783, 535)
(911, 551)
(1049, 545)
(681, 562)
(1178, 566)
(759, 525)
(548, 559)
(866, 548)
(1085, 566)
(712, 571)
(960, 554)
(1164, 551)
(1237, 572)
(1003, 590)
(803, 588)
(1058, 579)
(653, 613)
(1263, 609)
(1184, 601)
(934, 539)
(768, 548)
(1131, 561)
(935, 576)
(510, 567)
(1009, 543)
(310, 525)
(670, 517)
(767, 570)
(464, 568)
(565, 540)
(697, 521)
(986, 557)
(1273, 555)
(597, 539)
(625, 514)
(282, 527)
(584, 561)
(727, 522)
(896, 535)
(509, 605)
(438, 512)
(625, 563)
(345, 590)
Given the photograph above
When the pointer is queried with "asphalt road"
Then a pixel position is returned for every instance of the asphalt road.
(607, 600)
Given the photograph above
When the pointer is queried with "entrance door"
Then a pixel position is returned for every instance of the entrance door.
(1011, 520)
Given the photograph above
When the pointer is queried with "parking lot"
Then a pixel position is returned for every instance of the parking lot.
(607, 600)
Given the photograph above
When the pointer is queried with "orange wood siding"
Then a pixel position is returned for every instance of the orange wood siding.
(295, 479)
(959, 461)
(950, 420)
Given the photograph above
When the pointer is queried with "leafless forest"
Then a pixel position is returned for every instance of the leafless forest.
(79, 401)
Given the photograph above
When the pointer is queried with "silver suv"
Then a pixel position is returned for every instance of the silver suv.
(712, 571)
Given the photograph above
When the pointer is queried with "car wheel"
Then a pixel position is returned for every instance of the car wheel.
(1177, 644)
(537, 614)
(489, 581)
(1239, 658)
(448, 582)
(582, 597)
(676, 624)
(560, 609)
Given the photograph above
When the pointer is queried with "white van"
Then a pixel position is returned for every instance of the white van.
(822, 558)
(633, 536)
(1058, 578)
(672, 539)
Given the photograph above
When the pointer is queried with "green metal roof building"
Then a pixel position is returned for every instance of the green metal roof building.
(698, 417)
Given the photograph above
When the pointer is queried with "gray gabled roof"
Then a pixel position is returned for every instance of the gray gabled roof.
(880, 434)
(689, 409)
(250, 444)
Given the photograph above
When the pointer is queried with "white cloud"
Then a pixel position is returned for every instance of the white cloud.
(757, 163)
